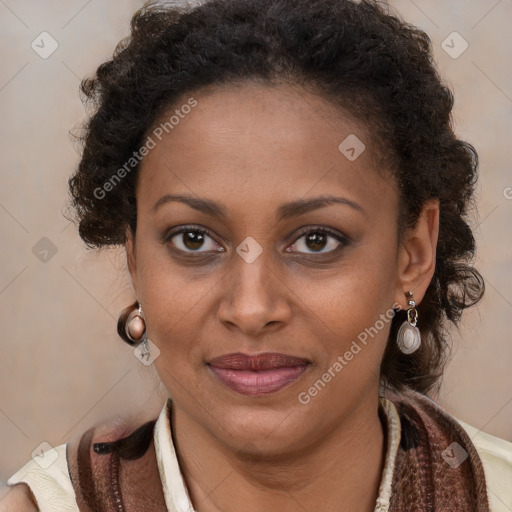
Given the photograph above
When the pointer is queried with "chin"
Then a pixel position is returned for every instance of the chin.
(257, 431)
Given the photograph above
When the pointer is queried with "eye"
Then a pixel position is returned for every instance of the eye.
(192, 239)
(315, 240)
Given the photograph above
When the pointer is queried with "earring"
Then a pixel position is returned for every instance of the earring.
(409, 338)
(131, 326)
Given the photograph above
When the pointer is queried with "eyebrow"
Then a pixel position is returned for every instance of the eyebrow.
(285, 211)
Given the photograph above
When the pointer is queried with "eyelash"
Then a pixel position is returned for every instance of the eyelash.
(343, 239)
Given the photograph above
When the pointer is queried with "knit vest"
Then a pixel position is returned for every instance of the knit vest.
(437, 467)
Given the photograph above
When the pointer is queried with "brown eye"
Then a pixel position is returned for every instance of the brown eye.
(318, 241)
(193, 240)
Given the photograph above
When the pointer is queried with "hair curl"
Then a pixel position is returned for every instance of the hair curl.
(360, 56)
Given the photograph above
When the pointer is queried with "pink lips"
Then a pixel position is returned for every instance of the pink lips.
(260, 374)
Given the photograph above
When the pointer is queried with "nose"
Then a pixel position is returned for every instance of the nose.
(256, 299)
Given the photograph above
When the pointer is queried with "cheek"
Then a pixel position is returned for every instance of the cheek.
(353, 311)
(176, 308)
(176, 327)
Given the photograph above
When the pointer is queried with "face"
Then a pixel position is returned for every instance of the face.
(234, 253)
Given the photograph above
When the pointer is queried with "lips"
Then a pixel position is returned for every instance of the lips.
(258, 374)
(265, 361)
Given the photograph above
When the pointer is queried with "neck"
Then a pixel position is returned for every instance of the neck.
(341, 472)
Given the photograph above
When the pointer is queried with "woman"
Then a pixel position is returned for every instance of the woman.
(293, 202)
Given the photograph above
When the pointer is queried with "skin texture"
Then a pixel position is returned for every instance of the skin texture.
(17, 499)
(252, 148)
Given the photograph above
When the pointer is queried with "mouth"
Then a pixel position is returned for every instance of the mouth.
(259, 374)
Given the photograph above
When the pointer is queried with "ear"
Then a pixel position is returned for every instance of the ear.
(131, 259)
(417, 255)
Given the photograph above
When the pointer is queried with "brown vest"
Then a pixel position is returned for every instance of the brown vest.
(114, 472)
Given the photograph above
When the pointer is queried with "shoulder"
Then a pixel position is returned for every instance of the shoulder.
(51, 481)
(46, 484)
(496, 456)
(18, 498)
(494, 453)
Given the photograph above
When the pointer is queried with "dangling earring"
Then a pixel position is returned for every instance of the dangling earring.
(131, 326)
(409, 338)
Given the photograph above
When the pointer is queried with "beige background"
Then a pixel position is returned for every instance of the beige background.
(62, 366)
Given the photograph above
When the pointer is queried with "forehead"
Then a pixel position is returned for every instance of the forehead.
(256, 143)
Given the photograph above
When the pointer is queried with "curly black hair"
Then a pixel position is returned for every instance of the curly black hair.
(361, 57)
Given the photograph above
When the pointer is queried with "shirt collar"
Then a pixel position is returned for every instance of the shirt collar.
(176, 494)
